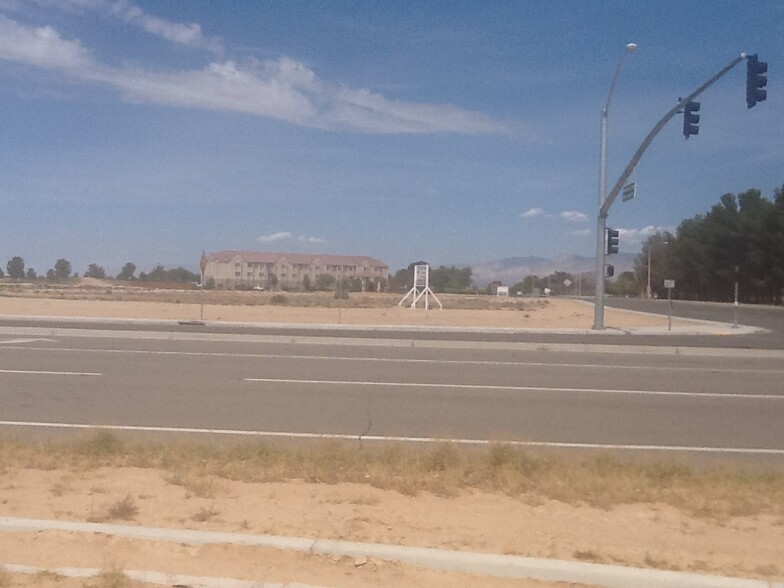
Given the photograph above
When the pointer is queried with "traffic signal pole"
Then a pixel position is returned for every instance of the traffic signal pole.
(604, 206)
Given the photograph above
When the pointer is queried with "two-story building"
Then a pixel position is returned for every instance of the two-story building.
(254, 269)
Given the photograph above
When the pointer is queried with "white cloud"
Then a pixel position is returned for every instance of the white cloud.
(41, 47)
(288, 236)
(573, 216)
(282, 89)
(532, 212)
(189, 35)
(281, 236)
(640, 235)
(304, 239)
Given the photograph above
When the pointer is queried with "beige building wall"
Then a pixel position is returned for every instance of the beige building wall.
(250, 269)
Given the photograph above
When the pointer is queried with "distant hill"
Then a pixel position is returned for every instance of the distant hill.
(514, 269)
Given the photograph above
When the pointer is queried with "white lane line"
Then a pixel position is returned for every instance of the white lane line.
(408, 360)
(47, 373)
(18, 341)
(383, 438)
(518, 388)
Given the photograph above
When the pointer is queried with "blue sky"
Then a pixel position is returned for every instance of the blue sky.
(455, 132)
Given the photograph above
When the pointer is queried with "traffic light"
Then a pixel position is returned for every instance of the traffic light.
(756, 80)
(612, 241)
(691, 119)
(610, 271)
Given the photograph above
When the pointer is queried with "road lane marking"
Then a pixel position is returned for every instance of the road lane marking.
(407, 360)
(48, 373)
(384, 438)
(19, 341)
(516, 388)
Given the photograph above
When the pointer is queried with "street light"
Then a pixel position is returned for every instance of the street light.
(598, 322)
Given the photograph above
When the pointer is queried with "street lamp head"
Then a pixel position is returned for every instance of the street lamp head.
(631, 47)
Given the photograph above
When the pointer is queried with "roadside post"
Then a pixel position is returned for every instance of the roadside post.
(669, 284)
(735, 306)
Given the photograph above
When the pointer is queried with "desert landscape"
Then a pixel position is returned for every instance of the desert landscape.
(93, 298)
(592, 509)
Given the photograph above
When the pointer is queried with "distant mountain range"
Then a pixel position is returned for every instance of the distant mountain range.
(513, 269)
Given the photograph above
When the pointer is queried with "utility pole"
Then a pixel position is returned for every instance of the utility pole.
(755, 78)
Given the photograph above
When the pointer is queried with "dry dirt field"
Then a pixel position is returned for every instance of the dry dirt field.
(698, 529)
(92, 299)
(687, 523)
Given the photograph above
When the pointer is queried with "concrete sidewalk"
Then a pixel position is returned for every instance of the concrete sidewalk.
(483, 564)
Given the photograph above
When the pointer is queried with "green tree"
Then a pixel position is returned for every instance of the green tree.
(306, 285)
(627, 284)
(450, 279)
(740, 239)
(95, 271)
(127, 272)
(30, 274)
(16, 268)
(526, 286)
(402, 280)
(178, 275)
(157, 274)
(62, 269)
(325, 282)
(658, 246)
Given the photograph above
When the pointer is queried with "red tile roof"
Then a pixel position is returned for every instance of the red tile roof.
(305, 258)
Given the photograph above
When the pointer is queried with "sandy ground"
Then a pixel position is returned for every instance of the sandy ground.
(553, 313)
(639, 535)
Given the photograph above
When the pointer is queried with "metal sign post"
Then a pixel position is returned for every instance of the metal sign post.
(735, 306)
(669, 284)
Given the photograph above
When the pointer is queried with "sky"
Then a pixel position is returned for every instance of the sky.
(452, 132)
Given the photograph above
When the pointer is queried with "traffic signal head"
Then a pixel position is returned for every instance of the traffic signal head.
(691, 119)
(756, 80)
(610, 271)
(612, 241)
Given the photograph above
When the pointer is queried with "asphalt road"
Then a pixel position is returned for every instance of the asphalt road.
(705, 405)
(770, 318)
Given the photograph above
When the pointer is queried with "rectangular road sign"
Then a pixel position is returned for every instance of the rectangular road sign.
(629, 191)
(669, 283)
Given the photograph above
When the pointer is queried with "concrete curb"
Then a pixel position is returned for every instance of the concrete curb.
(151, 577)
(502, 566)
(402, 343)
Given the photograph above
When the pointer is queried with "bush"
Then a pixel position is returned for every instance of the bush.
(279, 299)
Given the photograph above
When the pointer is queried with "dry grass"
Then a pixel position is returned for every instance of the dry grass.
(110, 579)
(205, 514)
(138, 292)
(124, 509)
(445, 470)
